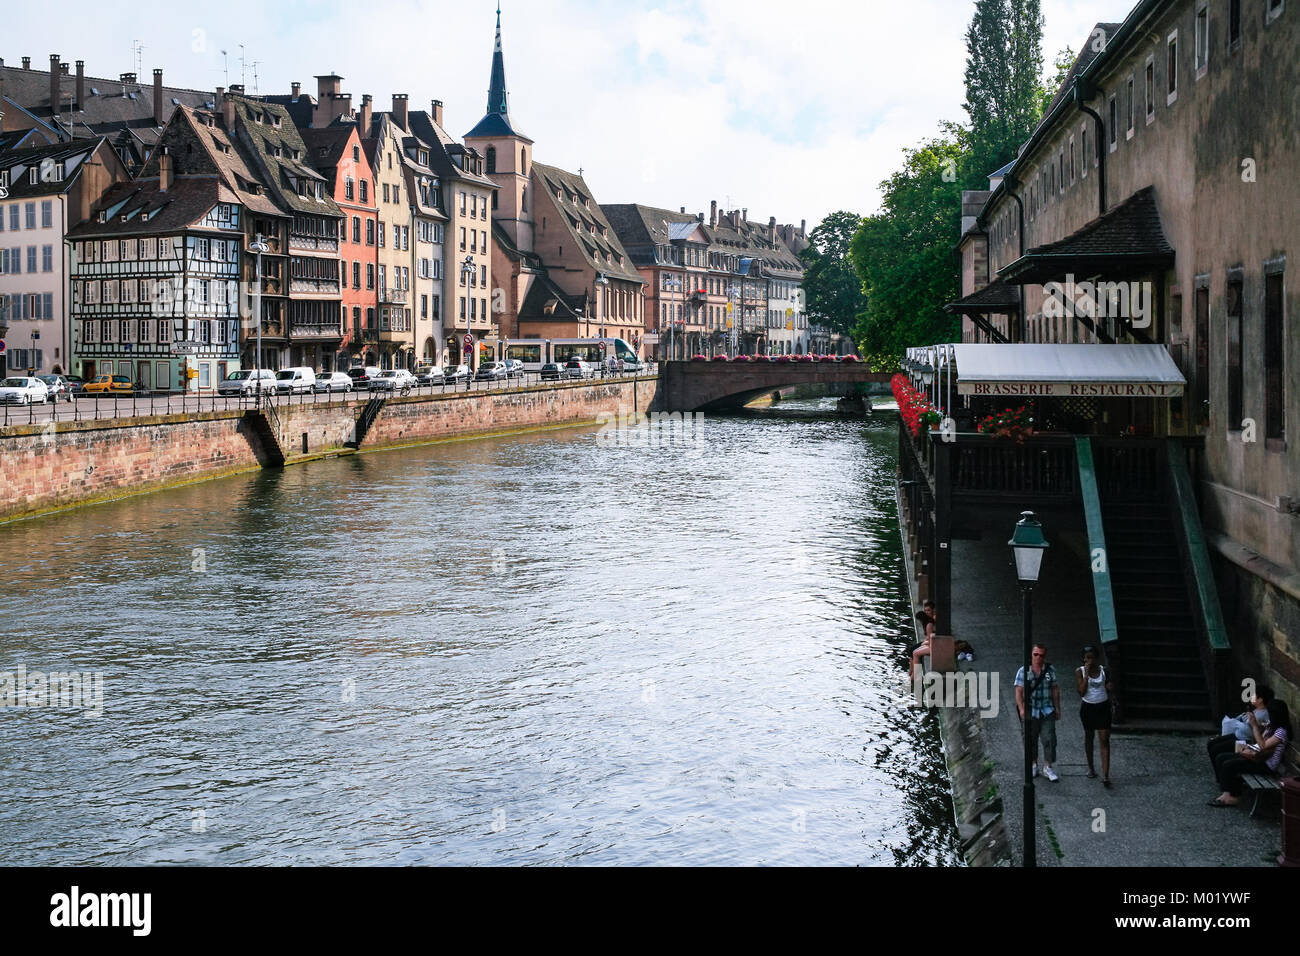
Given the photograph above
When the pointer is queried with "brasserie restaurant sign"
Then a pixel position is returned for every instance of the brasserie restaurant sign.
(1073, 389)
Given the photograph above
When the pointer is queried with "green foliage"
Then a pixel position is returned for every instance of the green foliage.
(1052, 82)
(831, 287)
(904, 254)
(1004, 63)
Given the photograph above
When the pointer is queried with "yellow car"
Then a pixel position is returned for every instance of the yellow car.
(115, 384)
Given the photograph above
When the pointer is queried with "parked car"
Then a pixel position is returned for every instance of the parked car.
(333, 382)
(429, 375)
(109, 384)
(361, 376)
(247, 381)
(491, 372)
(58, 386)
(551, 372)
(461, 374)
(392, 380)
(295, 381)
(76, 384)
(514, 368)
(22, 390)
(577, 368)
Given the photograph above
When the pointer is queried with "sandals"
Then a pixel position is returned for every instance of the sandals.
(1216, 802)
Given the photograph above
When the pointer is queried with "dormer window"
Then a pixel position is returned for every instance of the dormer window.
(423, 157)
(32, 173)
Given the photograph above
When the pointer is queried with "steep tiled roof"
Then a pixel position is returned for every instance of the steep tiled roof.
(105, 107)
(150, 211)
(326, 146)
(545, 300)
(280, 154)
(581, 213)
(18, 162)
(1130, 233)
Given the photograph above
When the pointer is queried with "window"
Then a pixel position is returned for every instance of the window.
(1273, 10)
(349, 187)
(464, 204)
(370, 275)
(1074, 176)
(381, 234)
(370, 232)
(356, 154)
(31, 258)
(1234, 24)
(462, 238)
(386, 199)
(1171, 68)
(1131, 108)
(47, 214)
(1151, 88)
(1112, 137)
(13, 217)
(365, 191)
(1201, 408)
(30, 210)
(1274, 357)
(491, 160)
(1232, 303)
(1201, 44)
(356, 230)
(203, 248)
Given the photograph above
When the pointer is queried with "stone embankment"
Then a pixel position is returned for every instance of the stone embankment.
(49, 467)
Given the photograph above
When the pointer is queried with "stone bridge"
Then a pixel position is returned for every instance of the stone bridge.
(712, 386)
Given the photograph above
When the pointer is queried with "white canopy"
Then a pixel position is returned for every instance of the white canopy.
(1086, 371)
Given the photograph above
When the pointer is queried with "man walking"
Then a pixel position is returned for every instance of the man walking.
(1044, 709)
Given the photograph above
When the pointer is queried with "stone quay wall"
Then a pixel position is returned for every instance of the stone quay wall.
(45, 468)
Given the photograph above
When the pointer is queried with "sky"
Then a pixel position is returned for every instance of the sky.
(787, 109)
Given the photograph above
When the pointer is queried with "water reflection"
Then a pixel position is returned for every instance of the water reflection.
(527, 650)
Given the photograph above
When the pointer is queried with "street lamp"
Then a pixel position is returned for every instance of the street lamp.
(467, 272)
(733, 292)
(260, 247)
(1028, 546)
(672, 284)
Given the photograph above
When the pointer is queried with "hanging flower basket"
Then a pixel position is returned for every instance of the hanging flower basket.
(1014, 423)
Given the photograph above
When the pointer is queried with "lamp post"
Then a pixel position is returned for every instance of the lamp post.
(467, 271)
(260, 248)
(733, 291)
(672, 284)
(1028, 546)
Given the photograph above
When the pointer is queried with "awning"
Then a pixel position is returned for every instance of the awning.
(1078, 371)
(1127, 241)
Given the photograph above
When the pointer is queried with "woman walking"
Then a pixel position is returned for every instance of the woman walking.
(1095, 688)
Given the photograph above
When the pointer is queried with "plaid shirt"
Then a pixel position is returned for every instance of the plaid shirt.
(1040, 691)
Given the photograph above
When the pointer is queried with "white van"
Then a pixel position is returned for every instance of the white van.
(295, 381)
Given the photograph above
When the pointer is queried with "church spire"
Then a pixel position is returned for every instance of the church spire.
(498, 95)
(496, 122)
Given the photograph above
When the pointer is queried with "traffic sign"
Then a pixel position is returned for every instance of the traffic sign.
(36, 336)
(2, 346)
(469, 341)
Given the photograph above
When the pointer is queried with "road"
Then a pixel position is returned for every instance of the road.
(107, 407)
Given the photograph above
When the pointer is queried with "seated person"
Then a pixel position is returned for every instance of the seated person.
(928, 622)
(1263, 755)
(1227, 743)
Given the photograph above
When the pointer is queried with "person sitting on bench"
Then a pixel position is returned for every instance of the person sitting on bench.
(1263, 755)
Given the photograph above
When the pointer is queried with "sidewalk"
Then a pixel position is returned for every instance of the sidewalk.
(1156, 815)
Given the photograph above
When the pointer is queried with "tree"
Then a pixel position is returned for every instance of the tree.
(1004, 65)
(1052, 82)
(904, 254)
(832, 289)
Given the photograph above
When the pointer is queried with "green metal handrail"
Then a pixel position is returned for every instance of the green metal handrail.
(1102, 590)
(1207, 594)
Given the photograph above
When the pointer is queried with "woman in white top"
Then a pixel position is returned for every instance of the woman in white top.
(1094, 686)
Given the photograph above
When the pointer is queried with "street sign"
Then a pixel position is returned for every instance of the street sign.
(651, 338)
(185, 348)
(2, 346)
(469, 341)
(36, 336)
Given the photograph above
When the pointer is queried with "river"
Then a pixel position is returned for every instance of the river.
(533, 649)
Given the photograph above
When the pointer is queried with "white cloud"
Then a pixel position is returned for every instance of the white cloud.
(791, 109)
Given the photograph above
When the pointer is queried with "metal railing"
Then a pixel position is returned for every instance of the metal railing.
(86, 408)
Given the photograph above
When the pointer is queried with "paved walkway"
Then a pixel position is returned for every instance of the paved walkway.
(1156, 815)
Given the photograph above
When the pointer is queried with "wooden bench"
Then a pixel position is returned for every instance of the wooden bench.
(1262, 783)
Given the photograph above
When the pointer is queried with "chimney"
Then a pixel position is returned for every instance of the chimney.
(803, 227)
(325, 85)
(63, 68)
(744, 215)
(81, 84)
(713, 213)
(55, 73)
(236, 89)
(27, 63)
(227, 107)
(164, 171)
(399, 109)
(297, 88)
(340, 105)
(159, 117)
(771, 230)
(437, 112)
(683, 210)
(363, 118)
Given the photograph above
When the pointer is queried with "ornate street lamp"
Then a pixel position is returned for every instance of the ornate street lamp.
(1028, 545)
(467, 271)
(259, 247)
